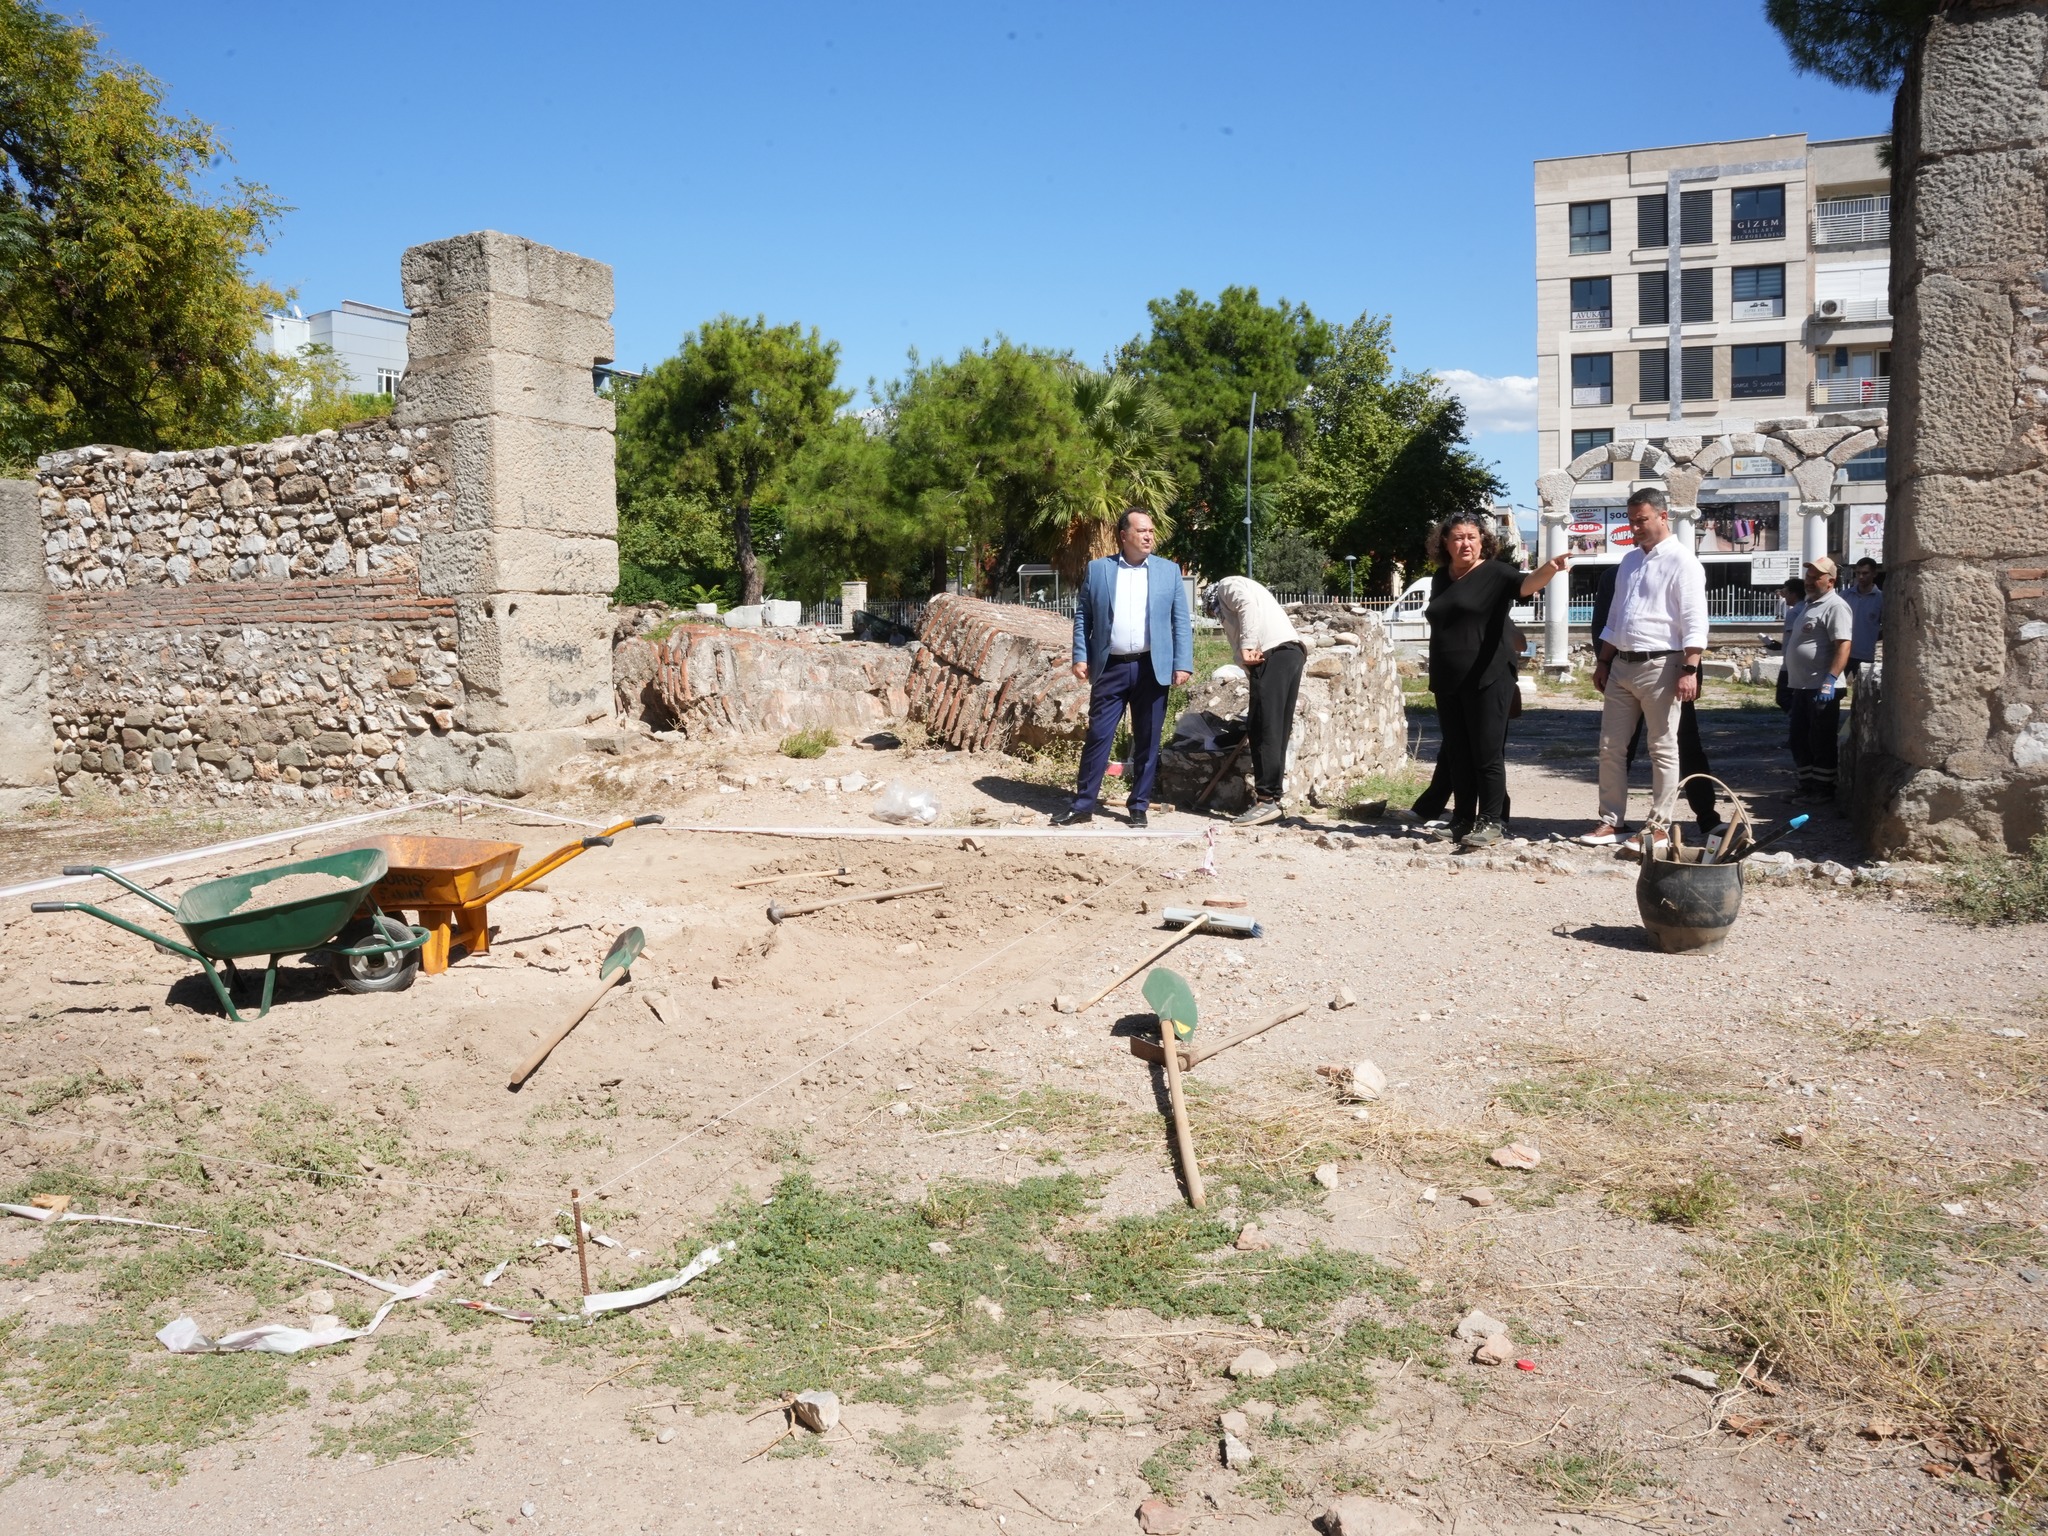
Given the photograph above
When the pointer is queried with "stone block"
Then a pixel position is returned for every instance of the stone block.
(1945, 659)
(1815, 479)
(1853, 444)
(27, 744)
(498, 322)
(520, 762)
(500, 384)
(516, 560)
(488, 261)
(1936, 516)
(1682, 449)
(1963, 384)
(1592, 458)
(21, 537)
(1782, 454)
(1554, 488)
(1815, 441)
(1971, 63)
(535, 661)
(1712, 457)
(516, 472)
(1682, 485)
(1982, 212)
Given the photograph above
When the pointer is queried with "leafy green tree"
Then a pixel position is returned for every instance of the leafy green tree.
(1205, 359)
(720, 423)
(1863, 44)
(1384, 455)
(1286, 561)
(125, 314)
(842, 519)
(989, 452)
(1135, 437)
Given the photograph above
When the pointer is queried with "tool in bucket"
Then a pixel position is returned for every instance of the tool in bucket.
(1689, 898)
(220, 925)
(450, 882)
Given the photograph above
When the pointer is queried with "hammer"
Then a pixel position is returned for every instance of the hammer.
(777, 911)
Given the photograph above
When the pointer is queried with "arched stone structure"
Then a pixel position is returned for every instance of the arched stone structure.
(1811, 450)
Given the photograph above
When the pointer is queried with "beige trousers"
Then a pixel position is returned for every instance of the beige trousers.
(1646, 691)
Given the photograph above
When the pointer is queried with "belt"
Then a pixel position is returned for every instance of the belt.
(1643, 655)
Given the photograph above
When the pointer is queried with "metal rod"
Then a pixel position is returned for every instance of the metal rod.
(582, 1253)
(1251, 426)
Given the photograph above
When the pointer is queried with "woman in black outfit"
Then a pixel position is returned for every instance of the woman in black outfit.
(1471, 670)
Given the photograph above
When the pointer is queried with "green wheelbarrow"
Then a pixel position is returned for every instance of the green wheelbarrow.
(222, 925)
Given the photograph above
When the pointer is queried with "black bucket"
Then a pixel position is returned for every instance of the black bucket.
(1686, 904)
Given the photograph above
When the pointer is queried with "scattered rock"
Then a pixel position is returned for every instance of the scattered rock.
(1956, 1207)
(1360, 1081)
(1498, 1350)
(1476, 1325)
(58, 1203)
(1326, 1175)
(939, 1246)
(1252, 1365)
(1745, 1424)
(666, 1436)
(1156, 1517)
(2030, 1275)
(1066, 1003)
(1794, 1135)
(1478, 1194)
(1260, 1412)
(1252, 1240)
(899, 1109)
(1343, 1000)
(320, 1301)
(1236, 1454)
(2010, 1034)
(1354, 1516)
(1235, 1423)
(1693, 1376)
(529, 1509)
(1221, 900)
(1516, 1154)
(1428, 1196)
(1879, 1428)
(816, 1411)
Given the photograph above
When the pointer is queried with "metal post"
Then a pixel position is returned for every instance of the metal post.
(1251, 425)
(1351, 576)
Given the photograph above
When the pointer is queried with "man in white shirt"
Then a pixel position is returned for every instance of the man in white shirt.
(1649, 665)
(1265, 643)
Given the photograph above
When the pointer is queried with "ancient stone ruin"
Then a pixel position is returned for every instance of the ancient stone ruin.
(997, 676)
(703, 680)
(1955, 753)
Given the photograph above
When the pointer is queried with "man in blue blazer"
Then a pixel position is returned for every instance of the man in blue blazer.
(1133, 639)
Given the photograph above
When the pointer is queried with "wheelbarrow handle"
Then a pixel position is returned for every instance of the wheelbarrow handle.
(597, 842)
(120, 922)
(121, 880)
(647, 821)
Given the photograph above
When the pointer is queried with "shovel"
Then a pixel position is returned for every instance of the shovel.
(1174, 1001)
(624, 951)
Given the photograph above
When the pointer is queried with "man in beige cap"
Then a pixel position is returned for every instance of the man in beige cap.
(1817, 636)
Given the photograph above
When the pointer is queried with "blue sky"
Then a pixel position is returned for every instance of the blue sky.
(931, 175)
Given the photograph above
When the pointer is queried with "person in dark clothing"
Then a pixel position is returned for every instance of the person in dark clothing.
(1692, 752)
(1441, 793)
(1471, 670)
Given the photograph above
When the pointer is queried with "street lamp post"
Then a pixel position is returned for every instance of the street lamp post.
(1351, 577)
(1251, 425)
(960, 559)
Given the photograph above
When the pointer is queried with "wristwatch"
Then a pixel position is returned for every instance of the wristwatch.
(1689, 671)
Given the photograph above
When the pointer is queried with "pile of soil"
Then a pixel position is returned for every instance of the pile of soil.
(299, 887)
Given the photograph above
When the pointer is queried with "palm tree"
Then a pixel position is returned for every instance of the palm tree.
(1133, 431)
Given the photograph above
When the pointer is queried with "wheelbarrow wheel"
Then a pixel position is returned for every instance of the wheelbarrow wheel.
(392, 972)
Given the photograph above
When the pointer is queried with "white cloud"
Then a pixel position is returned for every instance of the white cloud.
(1503, 404)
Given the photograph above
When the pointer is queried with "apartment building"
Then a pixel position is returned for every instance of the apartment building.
(1706, 290)
(368, 339)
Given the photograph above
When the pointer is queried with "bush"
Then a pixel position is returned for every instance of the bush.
(1991, 888)
(811, 741)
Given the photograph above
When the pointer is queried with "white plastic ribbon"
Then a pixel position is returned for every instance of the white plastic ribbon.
(619, 1301)
(37, 1213)
(184, 1338)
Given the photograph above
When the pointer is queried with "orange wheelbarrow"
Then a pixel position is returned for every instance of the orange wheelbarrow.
(450, 882)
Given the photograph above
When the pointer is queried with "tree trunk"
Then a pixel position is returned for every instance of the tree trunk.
(743, 544)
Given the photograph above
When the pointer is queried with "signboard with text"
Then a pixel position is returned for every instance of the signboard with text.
(1866, 534)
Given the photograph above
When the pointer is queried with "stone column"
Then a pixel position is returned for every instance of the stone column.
(1682, 485)
(1959, 753)
(28, 749)
(853, 602)
(1553, 491)
(505, 334)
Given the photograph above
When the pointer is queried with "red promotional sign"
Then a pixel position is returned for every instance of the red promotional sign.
(1621, 536)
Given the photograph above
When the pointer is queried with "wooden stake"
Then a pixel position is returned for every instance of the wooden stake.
(777, 911)
(809, 874)
(1186, 930)
(1183, 1135)
(582, 1253)
(1145, 1050)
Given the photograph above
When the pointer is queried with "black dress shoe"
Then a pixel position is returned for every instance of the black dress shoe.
(1073, 818)
(1138, 819)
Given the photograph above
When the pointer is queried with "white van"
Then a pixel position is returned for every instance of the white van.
(1405, 620)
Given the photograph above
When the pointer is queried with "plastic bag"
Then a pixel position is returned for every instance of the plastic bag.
(900, 803)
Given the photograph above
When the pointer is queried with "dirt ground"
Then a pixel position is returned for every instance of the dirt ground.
(1805, 1163)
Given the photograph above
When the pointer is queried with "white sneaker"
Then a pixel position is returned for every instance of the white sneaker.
(1656, 838)
(1605, 835)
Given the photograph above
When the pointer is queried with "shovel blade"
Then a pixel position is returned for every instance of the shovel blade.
(1173, 1000)
(624, 951)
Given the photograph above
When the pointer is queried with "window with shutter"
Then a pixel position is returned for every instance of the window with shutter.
(1587, 439)
(1653, 298)
(1696, 218)
(1593, 378)
(1696, 296)
(1756, 293)
(1653, 219)
(1588, 228)
(1699, 373)
(1653, 376)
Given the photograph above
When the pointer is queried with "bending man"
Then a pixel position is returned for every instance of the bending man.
(1272, 655)
(1133, 640)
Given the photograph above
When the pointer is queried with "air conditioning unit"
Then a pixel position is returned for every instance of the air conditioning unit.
(1831, 309)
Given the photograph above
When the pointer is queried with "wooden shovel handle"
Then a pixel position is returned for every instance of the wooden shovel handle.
(1183, 1134)
(1145, 1050)
(1188, 929)
(532, 1063)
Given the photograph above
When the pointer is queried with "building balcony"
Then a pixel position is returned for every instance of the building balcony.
(1592, 319)
(1853, 221)
(1852, 391)
(1846, 311)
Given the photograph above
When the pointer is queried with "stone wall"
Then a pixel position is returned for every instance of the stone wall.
(996, 676)
(1348, 722)
(1958, 754)
(705, 680)
(418, 602)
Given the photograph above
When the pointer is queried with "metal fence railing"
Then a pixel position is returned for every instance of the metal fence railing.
(1852, 221)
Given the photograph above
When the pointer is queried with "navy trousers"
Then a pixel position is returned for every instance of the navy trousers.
(1122, 681)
